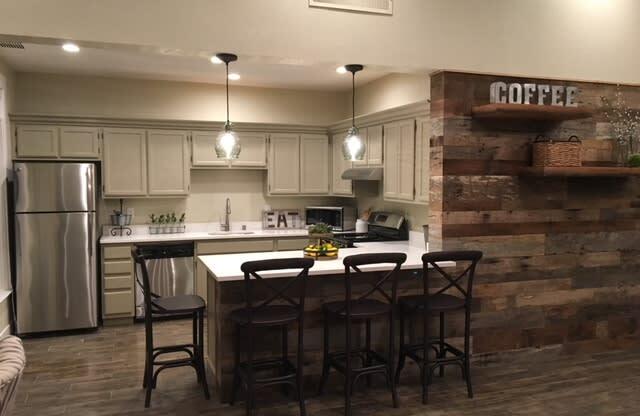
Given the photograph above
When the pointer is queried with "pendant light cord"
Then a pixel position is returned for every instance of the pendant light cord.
(227, 83)
(353, 99)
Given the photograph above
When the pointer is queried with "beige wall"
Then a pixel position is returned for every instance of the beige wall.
(568, 39)
(6, 103)
(134, 98)
(369, 196)
(209, 190)
(390, 91)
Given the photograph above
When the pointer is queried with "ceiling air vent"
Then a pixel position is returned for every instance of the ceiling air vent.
(11, 44)
(366, 6)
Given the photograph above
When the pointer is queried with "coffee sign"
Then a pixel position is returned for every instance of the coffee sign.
(538, 94)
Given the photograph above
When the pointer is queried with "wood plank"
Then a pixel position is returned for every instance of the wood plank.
(529, 112)
(583, 171)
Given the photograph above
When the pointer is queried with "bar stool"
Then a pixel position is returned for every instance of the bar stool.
(356, 310)
(189, 305)
(439, 303)
(265, 314)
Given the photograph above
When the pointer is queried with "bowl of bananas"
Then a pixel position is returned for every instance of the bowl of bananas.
(321, 246)
(322, 250)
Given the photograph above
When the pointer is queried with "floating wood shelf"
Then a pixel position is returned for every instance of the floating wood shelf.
(528, 112)
(584, 171)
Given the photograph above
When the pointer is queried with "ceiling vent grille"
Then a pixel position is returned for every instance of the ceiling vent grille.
(366, 6)
(11, 44)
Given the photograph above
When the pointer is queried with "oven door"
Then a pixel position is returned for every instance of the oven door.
(329, 216)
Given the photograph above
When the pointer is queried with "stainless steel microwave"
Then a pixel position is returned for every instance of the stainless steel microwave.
(340, 218)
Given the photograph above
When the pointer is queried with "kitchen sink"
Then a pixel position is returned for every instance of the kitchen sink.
(231, 232)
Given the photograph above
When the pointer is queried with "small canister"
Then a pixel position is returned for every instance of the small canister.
(362, 226)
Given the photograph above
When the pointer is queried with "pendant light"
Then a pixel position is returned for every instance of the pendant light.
(353, 147)
(227, 143)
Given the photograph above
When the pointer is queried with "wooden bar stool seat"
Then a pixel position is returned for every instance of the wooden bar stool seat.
(288, 310)
(360, 309)
(355, 363)
(439, 303)
(273, 315)
(436, 303)
(178, 304)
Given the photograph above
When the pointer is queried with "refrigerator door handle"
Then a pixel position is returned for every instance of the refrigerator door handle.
(90, 231)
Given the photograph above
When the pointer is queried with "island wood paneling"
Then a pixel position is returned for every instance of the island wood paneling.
(562, 254)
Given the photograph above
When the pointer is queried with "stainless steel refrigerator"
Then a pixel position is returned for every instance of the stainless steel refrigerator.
(55, 246)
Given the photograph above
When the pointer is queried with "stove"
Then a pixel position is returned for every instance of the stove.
(383, 226)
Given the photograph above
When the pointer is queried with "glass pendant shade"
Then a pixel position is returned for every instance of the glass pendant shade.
(227, 144)
(353, 147)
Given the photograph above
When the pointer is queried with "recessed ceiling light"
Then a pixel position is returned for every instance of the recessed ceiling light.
(71, 47)
(216, 60)
(234, 77)
(341, 70)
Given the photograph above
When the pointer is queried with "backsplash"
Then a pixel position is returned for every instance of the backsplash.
(209, 191)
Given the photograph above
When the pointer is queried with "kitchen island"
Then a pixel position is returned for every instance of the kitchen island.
(325, 283)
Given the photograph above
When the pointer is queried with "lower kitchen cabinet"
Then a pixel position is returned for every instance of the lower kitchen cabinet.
(124, 167)
(118, 300)
(399, 160)
(168, 162)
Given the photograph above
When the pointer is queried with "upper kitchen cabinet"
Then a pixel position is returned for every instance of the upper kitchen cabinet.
(339, 186)
(79, 142)
(372, 137)
(168, 162)
(314, 164)
(399, 160)
(36, 141)
(124, 168)
(284, 164)
(422, 167)
(253, 154)
(53, 142)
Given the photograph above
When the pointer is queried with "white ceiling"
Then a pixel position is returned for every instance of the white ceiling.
(175, 65)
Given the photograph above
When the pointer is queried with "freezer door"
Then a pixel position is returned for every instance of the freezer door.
(52, 187)
(55, 272)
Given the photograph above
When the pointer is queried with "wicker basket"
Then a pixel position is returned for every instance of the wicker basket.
(547, 153)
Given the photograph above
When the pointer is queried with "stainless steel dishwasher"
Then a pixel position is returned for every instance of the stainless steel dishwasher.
(170, 268)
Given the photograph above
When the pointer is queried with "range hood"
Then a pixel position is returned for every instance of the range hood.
(363, 174)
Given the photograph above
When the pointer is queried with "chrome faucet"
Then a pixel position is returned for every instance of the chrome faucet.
(226, 226)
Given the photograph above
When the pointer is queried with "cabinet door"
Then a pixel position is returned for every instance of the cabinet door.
(374, 145)
(284, 164)
(253, 151)
(124, 169)
(314, 164)
(37, 141)
(79, 142)
(391, 160)
(363, 136)
(168, 158)
(203, 150)
(423, 138)
(407, 160)
(339, 186)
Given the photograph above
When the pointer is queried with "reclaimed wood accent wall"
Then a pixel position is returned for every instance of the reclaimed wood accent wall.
(562, 255)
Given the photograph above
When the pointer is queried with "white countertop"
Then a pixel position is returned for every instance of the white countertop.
(226, 267)
(194, 233)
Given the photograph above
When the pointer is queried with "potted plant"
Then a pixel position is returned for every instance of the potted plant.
(153, 229)
(320, 243)
(162, 221)
(182, 227)
(634, 160)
